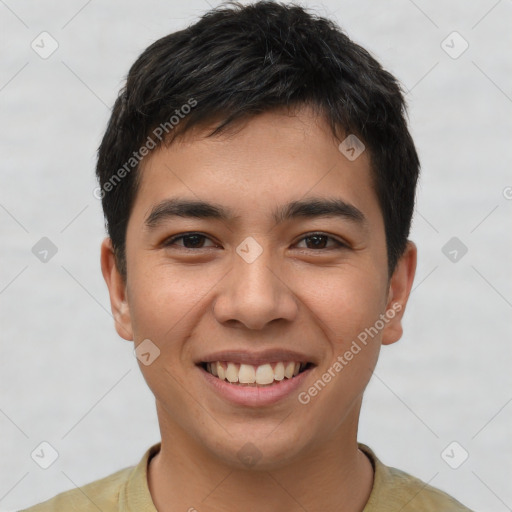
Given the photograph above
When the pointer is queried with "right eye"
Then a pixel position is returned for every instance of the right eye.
(190, 241)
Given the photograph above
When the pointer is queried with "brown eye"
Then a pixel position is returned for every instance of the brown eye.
(320, 241)
(189, 241)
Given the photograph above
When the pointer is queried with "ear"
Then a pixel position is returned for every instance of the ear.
(117, 291)
(399, 289)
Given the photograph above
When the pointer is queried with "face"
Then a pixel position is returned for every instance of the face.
(285, 264)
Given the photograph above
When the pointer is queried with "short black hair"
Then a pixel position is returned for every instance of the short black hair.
(237, 61)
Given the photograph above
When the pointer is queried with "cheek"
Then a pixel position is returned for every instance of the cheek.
(346, 306)
(345, 302)
(163, 300)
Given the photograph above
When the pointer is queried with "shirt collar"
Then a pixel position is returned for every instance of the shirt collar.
(135, 495)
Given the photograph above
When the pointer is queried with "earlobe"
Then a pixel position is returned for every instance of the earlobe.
(117, 291)
(399, 290)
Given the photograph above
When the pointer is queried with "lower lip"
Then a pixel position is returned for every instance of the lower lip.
(255, 396)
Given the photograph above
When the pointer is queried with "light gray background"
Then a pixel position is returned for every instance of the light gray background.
(68, 379)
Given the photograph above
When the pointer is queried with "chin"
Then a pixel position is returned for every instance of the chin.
(258, 448)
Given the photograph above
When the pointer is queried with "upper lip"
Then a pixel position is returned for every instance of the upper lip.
(256, 358)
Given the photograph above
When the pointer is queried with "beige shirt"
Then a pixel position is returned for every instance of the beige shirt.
(127, 491)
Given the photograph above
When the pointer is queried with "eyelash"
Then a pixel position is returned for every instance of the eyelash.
(170, 241)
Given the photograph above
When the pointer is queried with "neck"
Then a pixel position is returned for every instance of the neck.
(333, 475)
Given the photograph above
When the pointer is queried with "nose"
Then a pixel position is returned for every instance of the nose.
(255, 294)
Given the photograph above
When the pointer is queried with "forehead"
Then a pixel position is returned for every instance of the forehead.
(263, 162)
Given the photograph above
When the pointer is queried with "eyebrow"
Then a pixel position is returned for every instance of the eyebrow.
(306, 208)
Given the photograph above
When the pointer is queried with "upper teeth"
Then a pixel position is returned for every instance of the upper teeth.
(249, 374)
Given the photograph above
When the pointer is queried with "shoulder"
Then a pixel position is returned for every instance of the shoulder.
(127, 489)
(394, 488)
(101, 494)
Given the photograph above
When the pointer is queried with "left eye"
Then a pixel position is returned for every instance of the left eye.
(196, 241)
(319, 241)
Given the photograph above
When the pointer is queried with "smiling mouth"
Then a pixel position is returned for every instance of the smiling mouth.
(263, 375)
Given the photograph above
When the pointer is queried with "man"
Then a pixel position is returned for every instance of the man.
(258, 178)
